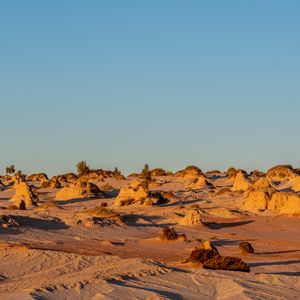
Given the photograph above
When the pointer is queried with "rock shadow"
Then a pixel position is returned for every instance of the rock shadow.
(274, 263)
(43, 224)
(217, 226)
(132, 220)
(77, 200)
(277, 252)
(165, 294)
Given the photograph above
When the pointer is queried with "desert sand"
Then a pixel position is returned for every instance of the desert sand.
(99, 235)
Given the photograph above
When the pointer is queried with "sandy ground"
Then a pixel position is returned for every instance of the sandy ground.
(48, 256)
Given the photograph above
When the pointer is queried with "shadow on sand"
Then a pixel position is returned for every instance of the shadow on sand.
(42, 224)
(159, 292)
(77, 200)
(274, 263)
(217, 226)
(277, 252)
(132, 220)
(286, 273)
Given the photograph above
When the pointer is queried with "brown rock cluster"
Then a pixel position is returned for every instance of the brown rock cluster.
(209, 257)
(246, 247)
(170, 234)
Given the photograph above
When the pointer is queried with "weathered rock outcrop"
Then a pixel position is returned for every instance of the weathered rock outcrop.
(79, 189)
(190, 172)
(23, 193)
(52, 183)
(295, 183)
(209, 256)
(199, 183)
(256, 201)
(285, 203)
(134, 193)
(281, 173)
(228, 263)
(241, 182)
(38, 177)
(262, 184)
(282, 203)
(193, 217)
(170, 234)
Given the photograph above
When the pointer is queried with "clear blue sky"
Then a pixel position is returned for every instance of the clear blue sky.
(164, 82)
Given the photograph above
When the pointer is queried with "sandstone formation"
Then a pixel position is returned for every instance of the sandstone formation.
(134, 193)
(158, 172)
(23, 193)
(199, 183)
(262, 184)
(193, 217)
(256, 174)
(295, 183)
(52, 183)
(38, 177)
(281, 173)
(241, 182)
(190, 172)
(285, 203)
(256, 201)
(79, 189)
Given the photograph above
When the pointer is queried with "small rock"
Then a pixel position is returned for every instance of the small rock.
(228, 263)
(246, 247)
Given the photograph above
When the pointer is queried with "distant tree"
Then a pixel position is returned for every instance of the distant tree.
(117, 171)
(10, 169)
(146, 175)
(82, 168)
(21, 175)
